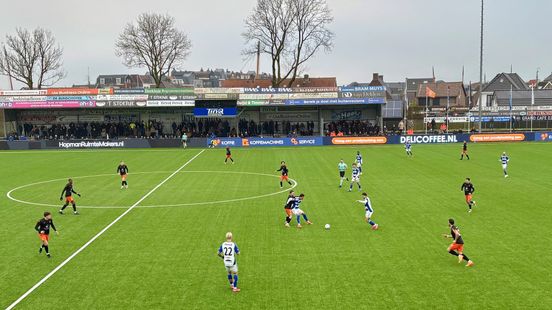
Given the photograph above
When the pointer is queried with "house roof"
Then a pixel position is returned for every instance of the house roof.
(395, 87)
(503, 81)
(299, 82)
(442, 89)
(523, 97)
(548, 79)
(413, 84)
(112, 76)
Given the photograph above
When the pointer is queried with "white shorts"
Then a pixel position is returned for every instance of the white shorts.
(369, 214)
(408, 150)
(355, 179)
(504, 166)
(232, 269)
(297, 211)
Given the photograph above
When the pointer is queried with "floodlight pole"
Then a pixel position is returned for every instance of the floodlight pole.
(481, 67)
(532, 104)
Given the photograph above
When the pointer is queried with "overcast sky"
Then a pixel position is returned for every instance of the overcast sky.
(397, 38)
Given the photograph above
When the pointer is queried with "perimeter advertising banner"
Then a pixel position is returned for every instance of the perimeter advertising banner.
(169, 91)
(259, 142)
(79, 91)
(335, 101)
(129, 91)
(50, 104)
(543, 136)
(497, 137)
(355, 140)
(33, 92)
(170, 103)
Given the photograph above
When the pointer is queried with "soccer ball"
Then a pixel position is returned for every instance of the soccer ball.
(327, 226)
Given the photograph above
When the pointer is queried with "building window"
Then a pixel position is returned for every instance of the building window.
(102, 81)
(489, 100)
(118, 81)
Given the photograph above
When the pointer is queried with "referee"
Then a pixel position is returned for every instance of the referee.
(342, 167)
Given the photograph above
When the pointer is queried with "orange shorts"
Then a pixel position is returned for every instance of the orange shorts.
(288, 212)
(457, 247)
(123, 177)
(228, 156)
(43, 237)
(284, 178)
(69, 199)
(468, 198)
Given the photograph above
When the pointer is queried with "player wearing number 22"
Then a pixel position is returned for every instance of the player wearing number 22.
(228, 251)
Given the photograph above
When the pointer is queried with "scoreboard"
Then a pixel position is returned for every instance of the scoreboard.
(216, 108)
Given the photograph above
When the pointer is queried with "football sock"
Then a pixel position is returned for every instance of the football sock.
(371, 222)
(289, 182)
(74, 207)
(359, 187)
(461, 157)
(281, 184)
(305, 217)
(351, 187)
(453, 253)
(63, 207)
(467, 156)
(298, 219)
(46, 248)
(288, 219)
(231, 159)
(230, 278)
(235, 280)
(341, 182)
(466, 257)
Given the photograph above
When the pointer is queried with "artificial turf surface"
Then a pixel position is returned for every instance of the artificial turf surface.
(165, 257)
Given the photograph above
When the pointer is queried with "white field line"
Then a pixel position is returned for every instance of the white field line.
(68, 259)
(10, 193)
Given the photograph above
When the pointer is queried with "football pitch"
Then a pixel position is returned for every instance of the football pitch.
(154, 244)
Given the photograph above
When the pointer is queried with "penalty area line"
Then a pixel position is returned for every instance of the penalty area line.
(68, 259)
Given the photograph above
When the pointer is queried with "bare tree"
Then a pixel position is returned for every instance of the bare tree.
(32, 58)
(291, 32)
(153, 42)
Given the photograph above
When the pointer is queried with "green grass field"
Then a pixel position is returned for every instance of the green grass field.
(160, 256)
